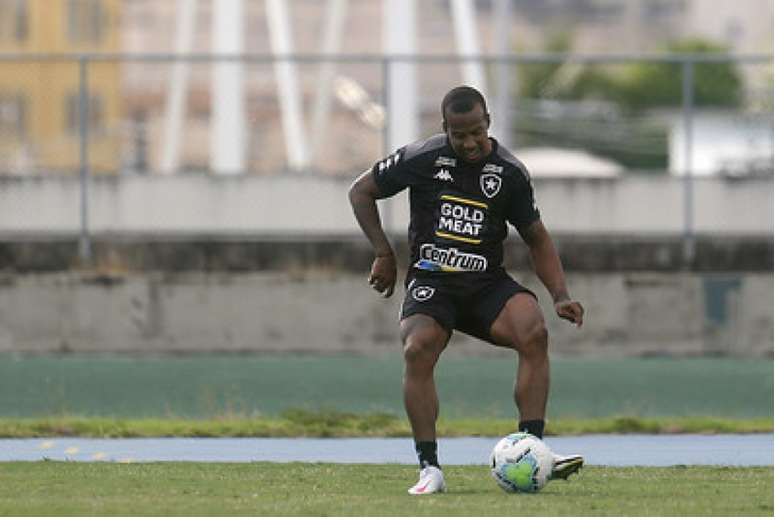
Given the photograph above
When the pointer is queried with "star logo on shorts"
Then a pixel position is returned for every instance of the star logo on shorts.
(422, 293)
(490, 184)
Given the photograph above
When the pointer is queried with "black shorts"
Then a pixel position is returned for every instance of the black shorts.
(468, 302)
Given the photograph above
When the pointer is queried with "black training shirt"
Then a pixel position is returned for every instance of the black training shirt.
(459, 210)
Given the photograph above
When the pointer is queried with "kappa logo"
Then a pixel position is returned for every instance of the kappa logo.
(490, 184)
(422, 293)
(443, 175)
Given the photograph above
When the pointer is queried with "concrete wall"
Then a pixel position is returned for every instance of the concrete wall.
(291, 205)
(628, 314)
(197, 263)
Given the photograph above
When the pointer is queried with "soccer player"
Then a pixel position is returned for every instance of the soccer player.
(464, 187)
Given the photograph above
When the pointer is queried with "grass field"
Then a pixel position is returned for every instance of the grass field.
(52, 488)
(357, 396)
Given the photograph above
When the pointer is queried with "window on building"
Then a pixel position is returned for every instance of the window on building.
(73, 113)
(13, 20)
(13, 120)
(85, 21)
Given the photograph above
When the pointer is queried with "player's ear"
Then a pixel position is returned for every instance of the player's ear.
(443, 125)
(488, 120)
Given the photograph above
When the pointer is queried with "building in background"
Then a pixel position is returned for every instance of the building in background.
(353, 141)
(40, 100)
(130, 99)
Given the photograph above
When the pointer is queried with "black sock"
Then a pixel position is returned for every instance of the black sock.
(534, 427)
(427, 452)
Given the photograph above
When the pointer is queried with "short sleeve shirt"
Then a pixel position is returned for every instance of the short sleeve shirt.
(459, 210)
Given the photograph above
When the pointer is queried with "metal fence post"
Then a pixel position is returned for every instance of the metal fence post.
(689, 237)
(386, 144)
(84, 240)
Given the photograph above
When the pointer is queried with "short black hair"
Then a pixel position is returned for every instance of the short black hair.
(461, 100)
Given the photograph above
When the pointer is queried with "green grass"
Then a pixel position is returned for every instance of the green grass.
(337, 424)
(53, 488)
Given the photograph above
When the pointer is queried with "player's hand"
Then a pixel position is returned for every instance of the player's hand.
(383, 275)
(570, 310)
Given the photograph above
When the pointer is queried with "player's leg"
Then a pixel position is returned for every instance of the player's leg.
(423, 341)
(520, 325)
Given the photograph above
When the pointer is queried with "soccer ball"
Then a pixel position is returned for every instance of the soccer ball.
(521, 462)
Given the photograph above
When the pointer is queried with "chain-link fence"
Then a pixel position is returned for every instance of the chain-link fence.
(702, 114)
(101, 115)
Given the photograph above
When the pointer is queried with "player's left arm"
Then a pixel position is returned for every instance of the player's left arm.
(548, 267)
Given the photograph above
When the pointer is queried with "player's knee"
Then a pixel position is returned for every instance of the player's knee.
(422, 346)
(534, 341)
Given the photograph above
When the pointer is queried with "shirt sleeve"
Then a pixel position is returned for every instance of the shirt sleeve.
(523, 209)
(392, 174)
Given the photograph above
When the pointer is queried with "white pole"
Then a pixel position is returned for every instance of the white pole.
(501, 116)
(331, 45)
(228, 123)
(288, 91)
(464, 18)
(174, 112)
(399, 23)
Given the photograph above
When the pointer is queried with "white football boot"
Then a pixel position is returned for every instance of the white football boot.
(430, 481)
(564, 466)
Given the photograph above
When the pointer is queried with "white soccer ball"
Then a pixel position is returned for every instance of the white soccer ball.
(521, 462)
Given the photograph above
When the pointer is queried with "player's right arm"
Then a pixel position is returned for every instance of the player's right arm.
(362, 196)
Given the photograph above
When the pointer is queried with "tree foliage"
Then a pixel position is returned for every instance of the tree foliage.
(660, 84)
(636, 86)
(627, 91)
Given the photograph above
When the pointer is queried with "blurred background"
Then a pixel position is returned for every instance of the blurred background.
(173, 181)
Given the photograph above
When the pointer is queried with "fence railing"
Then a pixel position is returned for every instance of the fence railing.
(119, 114)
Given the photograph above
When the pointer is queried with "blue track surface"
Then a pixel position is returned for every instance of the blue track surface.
(611, 450)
